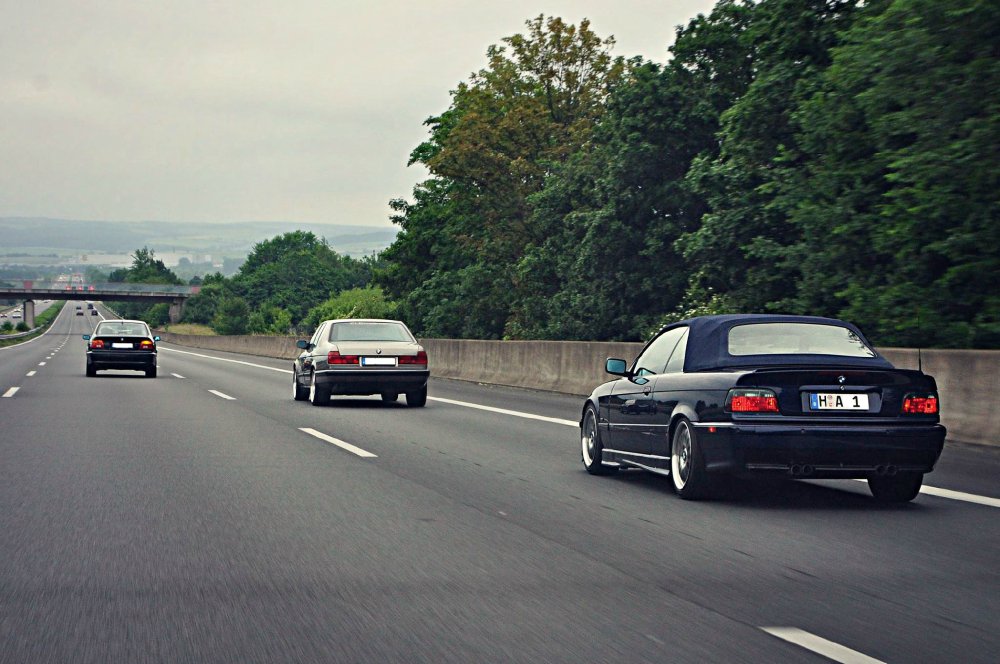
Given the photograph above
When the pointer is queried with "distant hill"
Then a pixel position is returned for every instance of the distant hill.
(230, 239)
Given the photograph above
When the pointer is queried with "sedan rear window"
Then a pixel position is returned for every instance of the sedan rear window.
(123, 329)
(796, 339)
(369, 332)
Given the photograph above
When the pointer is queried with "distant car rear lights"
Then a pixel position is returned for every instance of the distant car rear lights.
(419, 358)
(334, 357)
(926, 404)
(96, 344)
(146, 344)
(755, 400)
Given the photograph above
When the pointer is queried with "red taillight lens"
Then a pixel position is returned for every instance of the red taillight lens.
(419, 358)
(925, 405)
(146, 344)
(97, 343)
(334, 357)
(752, 401)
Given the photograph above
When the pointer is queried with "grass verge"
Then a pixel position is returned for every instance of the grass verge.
(42, 322)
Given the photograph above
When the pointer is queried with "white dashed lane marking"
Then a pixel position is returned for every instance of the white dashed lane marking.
(176, 375)
(339, 443)
(223, 396)
(11, 392)
(821, 646)
(30, 373)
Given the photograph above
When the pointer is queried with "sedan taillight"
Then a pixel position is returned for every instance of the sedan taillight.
(146, 344)
(755, 400)
(334, 357)
(419, 358)
(926, 404)
(96, 343)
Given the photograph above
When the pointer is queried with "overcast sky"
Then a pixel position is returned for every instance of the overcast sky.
(243, 110)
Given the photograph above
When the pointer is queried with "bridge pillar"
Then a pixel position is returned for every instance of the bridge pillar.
(176, 310)
(29, 313)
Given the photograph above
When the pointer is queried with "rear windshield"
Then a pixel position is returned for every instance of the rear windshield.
(369, 332)
(135, 329)
(796, 339)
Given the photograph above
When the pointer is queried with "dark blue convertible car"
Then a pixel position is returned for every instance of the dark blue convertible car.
(753, 394)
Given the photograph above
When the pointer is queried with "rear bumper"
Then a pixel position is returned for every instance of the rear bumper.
(137, 360)
(358, 382)
(841, 451)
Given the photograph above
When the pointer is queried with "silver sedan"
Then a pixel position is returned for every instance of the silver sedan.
(361, 357)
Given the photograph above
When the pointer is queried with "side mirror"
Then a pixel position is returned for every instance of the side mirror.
(156, 338)
(304, 345)
(616, 367)
(86, 337)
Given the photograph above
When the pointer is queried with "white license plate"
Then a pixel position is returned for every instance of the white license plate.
(838, 401)
(378, 361)
(121, 345)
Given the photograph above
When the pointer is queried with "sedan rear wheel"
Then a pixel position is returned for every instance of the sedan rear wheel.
(318, 395)
(591, 449)
(901, 488)
(91, 371)
(687, 468)
(151, 373)
(299, 393)
(417, 398)
(390, 397)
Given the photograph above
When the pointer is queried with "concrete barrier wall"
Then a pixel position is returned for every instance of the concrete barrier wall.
(967, 379)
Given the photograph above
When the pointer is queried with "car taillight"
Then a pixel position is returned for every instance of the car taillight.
(97, 343)
(743, 400)
(920, 405)
(146, 344)
(419, 358)
(334, 357)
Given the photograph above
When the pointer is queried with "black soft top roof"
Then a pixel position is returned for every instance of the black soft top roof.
(708, 344)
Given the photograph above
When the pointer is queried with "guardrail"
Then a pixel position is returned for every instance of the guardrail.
(967, 379)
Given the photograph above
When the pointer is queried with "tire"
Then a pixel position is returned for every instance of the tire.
(591, 448)
(318, 396)
(901, 488)
(391, 397)
(299, 393)
(151, 373)
(417, 398)
(91, 371)
(687, 467)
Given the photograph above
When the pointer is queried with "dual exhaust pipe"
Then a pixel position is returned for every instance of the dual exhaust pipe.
(885, 471)
(801, 470)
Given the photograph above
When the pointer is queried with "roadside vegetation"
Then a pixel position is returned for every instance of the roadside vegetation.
(816, 157)
(42, 322)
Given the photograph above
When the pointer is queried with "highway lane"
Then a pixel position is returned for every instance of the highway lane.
(153, 520)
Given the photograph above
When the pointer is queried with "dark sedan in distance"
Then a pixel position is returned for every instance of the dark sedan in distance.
(121, 344)
(763, 394)
(361, 357)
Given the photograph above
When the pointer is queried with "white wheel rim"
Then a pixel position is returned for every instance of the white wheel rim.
(588, 441)
(680, 456)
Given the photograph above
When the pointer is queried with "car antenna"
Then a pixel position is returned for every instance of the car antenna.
(920, 363)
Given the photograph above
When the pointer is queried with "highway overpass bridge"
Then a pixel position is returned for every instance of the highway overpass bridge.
(28, 291)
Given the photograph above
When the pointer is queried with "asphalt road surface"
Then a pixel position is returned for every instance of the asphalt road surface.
(204, 516)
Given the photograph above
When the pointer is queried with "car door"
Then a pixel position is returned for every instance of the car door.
(632, 413)
(668, 389)
(306, 356)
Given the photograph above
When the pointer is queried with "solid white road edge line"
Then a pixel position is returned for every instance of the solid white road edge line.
(930, 490)
(224, 396)
(957, 495)
(504, 411)
(339, 443)
(11, 392)
(821, 646)
(223, 359)
(18, 345)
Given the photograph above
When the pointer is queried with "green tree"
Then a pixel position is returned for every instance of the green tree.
(369, 302)
(231, 316)
(535, 104)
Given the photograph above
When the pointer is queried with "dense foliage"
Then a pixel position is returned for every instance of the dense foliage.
(830, 157)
